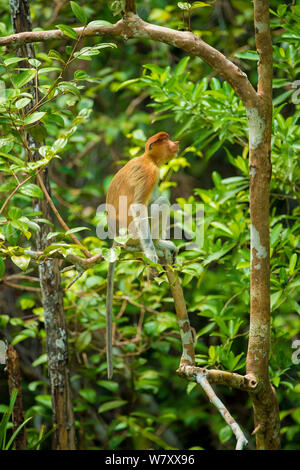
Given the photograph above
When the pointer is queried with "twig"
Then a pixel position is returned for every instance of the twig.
(15, 190)
(20, 286)
(241, 440)
(60, 219)
(80, 273)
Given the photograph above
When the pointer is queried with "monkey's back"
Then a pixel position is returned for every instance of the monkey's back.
(133, 183)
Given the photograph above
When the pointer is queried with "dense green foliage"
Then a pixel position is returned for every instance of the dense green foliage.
(103, 99)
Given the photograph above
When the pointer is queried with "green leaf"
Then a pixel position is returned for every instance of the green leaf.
(42, 438)
(21, 261)
(126, 83)
(32, 190)
(55, 55)
(184, 5)
(80, 75)
(33, 117)
(182, 65)
(88, 394)
(44, 400)
(5, 418)
(14, 213)
(190, 387)
(18, 338)
(200, 5)
(77, 229)
(26, 303)
(225, 434)
(13, 60)
(222, 227)
(70, 87)
(293, 262)
(248, 55)
(2, 268)
(83, 340)
(99, 24)
(23, 78)
(16, 433)
(34, 62)
(109, 385)
(275, 298)
(40, 360)
(68, 31)
(78, 12)
(14, 159)
(22, 103)
(111, 405)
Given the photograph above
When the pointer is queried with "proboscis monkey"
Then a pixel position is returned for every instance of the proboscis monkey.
(132, 190)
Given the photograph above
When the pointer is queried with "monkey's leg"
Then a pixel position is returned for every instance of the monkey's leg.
(160, 221)
(142, 229)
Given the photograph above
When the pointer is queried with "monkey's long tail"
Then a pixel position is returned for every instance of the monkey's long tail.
(109, 297)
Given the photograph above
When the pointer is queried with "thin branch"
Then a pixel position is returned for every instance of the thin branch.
(60, 219)
(241, 440)
(20, 286)
(15, 190)
(84, 263)
(247, 383)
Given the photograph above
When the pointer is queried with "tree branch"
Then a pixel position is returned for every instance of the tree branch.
(247, 383)
(132, 26)
(264, 48)
(240, 438)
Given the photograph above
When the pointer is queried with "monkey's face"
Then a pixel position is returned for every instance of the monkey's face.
(162, 149)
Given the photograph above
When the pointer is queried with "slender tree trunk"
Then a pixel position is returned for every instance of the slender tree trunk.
(52, 300)
(15, 381)
(265, 405)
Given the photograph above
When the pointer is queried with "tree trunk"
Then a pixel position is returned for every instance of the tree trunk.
(265, 405)
(15, 381)
(52, 300)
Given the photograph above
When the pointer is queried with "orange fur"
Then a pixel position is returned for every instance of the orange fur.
(138, 178)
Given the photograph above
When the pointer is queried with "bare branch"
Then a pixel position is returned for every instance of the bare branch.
(241, 440)
(246, 383)
(188, 354)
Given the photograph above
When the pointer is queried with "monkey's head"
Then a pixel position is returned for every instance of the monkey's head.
(160, 148)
